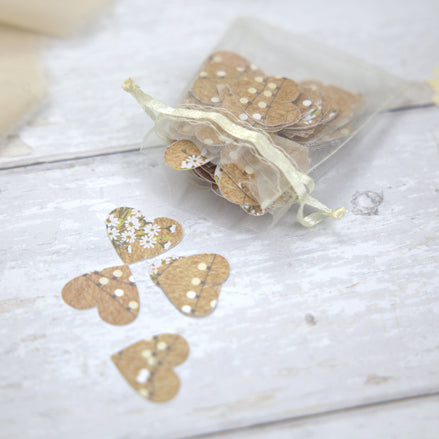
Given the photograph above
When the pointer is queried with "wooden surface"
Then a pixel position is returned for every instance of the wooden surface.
(330, 332)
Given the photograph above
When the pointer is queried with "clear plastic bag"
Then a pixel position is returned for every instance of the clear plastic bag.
(264, 110)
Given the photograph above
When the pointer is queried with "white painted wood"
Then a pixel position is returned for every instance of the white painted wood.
(400, 420)
(370, 283)
(309, 320)
(162, 47)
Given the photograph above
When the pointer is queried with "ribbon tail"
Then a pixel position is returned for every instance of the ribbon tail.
(317, 217)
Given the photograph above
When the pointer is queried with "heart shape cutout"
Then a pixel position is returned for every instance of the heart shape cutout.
(233, 182)
(266, 100)
(148, 365)
(184, 154)
(111, 290)
(307, 111)
(136, 237)
(192, 283)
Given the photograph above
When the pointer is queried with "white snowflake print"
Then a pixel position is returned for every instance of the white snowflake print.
(193, 161)
(128, 236)
(132, 223)
(112, 221)
(172, 228)
(152, 229)
(113, 233)
(148, 241)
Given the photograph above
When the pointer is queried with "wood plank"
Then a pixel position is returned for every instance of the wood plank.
(406, 419)
(86, 109)
(309, 321)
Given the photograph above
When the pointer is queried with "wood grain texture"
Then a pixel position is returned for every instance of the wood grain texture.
(341, 315)
(88, 110)
(370, 283)
(397, 420)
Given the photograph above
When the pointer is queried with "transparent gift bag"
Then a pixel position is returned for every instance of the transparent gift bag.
(264, 110)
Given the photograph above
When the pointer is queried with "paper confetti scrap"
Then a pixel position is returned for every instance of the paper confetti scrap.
(183, 154)
(111, 290)
(148, 365)
(136, 237)
(192, 283)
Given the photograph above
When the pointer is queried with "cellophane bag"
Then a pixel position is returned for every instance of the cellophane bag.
(263, 111)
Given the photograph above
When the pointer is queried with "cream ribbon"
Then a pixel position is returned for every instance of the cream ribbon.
(434, 84)
(302, 184)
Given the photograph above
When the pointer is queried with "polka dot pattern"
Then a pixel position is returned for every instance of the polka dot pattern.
(133, 305)
(111, 290)
(191, 294)
(152, 376)
(197, 284)
(293, 110)
(195, 281)
(248, 85)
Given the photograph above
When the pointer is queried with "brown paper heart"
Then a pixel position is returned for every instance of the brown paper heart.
(267, 100)
(148, 365)
(221, 68)
(206, 172)
(135, 237)
(184, 154)
(233, 183)
(111, 290)
(192, 283)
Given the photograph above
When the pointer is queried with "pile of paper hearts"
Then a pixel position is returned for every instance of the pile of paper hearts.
(296, 115)
(191, 283)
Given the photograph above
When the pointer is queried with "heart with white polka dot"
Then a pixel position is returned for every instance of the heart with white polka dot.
(192, 283)
(148, 365)
(265, 100)
(111, 290)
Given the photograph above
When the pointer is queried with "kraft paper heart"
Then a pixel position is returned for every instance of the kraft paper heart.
(148, 365)
(233, 182)
(205, 172)
(192, 283)
(184, 154)
(265, 99)
(306, 111)
(136, 237)
(111, 290)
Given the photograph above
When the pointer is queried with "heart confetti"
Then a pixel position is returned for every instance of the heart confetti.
(184, 154)
(294, 116)
(233, 182)
(192, 283)
(148, 365)
(136, 237)
(111, 290)
(273, 103)
(265, 99)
